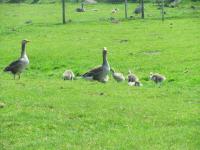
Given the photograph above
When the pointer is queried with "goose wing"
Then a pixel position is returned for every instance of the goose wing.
(14, 66)
(93, 72)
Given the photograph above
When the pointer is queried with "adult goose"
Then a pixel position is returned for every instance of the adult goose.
(119, 77)
(138, 9)
(99, 73)
(17, 67)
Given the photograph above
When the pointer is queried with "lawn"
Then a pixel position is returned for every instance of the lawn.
(44, 112)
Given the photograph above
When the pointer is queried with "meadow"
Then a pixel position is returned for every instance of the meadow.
(44, 112)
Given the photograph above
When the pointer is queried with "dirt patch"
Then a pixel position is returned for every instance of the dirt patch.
(152, 52)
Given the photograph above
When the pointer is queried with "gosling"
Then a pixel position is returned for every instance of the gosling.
(132, 77)
(115, 10)
(68, 75)
(157, 78)
(119, 77)
(136, 83)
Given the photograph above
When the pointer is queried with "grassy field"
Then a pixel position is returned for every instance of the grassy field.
(44, 112)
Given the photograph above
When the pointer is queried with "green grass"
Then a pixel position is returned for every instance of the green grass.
(44, 112)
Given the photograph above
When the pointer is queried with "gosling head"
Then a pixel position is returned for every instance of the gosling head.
(112, 70)
(151, 75)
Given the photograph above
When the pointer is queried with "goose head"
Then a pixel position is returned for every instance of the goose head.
(104, 51)
(25, 41)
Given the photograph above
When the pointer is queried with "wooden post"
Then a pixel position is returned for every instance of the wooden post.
(163, 15)
(82, 5)
(126, 14)
(142, 5)
(63, 11)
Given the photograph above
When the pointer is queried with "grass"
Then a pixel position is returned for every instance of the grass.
(44, 112)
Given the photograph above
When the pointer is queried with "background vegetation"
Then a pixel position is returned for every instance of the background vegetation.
(78, 1)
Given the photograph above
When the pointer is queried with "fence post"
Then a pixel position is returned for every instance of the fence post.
(163, 10)
(142, 5)
(126, 14)
(63, 11)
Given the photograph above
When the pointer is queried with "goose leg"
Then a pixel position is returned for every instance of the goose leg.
(19, 76)
(14, 77)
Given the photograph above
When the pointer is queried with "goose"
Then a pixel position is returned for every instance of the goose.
(99, 73)
(135, 83)
(138, 9)
(132, 77)
(18, 66)
(157, 78)
(68, 75)
(119, 77)
(80, 10)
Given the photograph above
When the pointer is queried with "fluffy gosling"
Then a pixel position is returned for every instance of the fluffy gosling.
(119, 77)
(157, 78)
(132, 77)
(136, 83)
(68, 75)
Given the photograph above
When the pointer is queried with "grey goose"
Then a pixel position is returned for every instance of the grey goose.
(99, 73)
(18, 66)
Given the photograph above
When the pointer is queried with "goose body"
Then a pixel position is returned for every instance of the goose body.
(119, 77)
(138, 9)
(68, 75)
(136, 83)
(132, 77)
(18, 66)
(157, 78)
(80, 10)
(99, 73)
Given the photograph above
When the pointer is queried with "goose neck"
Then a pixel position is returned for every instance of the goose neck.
(105, 61)
(23, 52)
